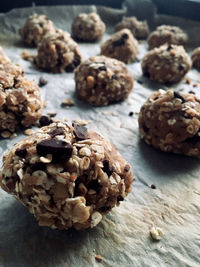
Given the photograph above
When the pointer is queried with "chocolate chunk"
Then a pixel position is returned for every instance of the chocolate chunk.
(42, 82)
(21, 152)
(45, 120)
(60, 150)
(120, 41)
(38, 166)
(177, 95)
(115, 77)
(105, 209)
(80, 132)
(94, 185)
(107, 167)
(127, 168)
(169, 47)
(103, 68)
(57, 131)
(131, 113)
(153, 186)
(120, 198)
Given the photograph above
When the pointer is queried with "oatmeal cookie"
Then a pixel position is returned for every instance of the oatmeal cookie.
(170, 121)
(121, 45)
(58, 52)
(35, 29)
(196, 58)
(3, 57)
(167, 34)
(101, 80)
(66, 175)
(88, 27)
(166, 64)
(139, 29)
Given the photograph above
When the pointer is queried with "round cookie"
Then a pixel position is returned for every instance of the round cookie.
(58, 52)
(139, 29)
(196, 58)
(20, 101)
(122, 46)
(66, 176)
(35, 28)
(101, 80)
(88, 27)
(166, 64)
(167, 34)
(170, 122)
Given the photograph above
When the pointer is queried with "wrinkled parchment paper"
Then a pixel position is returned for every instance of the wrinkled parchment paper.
(122, 238)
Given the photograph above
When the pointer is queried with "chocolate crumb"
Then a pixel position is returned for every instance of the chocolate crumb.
(103, 68)
(120, 198)
(107, 167)
(177, 95)
(80, 132)
(153, 186)
(21, 152)
(45, 121)
(131, 113)
(191, 92)
(57, 131)
(42, 82)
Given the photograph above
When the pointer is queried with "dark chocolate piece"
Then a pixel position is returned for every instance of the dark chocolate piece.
(80, 132)
(153, 186)
(107, 167)
(103, 68)
(57, 131)
(120, 198)
(21, 152)
(120, 41)
(45, 121)
(131, 113)
(42, 82)
(177, 95)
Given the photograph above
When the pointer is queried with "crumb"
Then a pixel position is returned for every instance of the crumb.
(191, 92)
(42, 82)
(187, 80)
(6, 134)
(98, 257)
(28, 132)
(153, 186)
(51, 113)
(122, 125)
(140, 82)
(82, 122)
(105, 112)
(156, 233)
(13, 135)
(131, 113)
(115, 114)
(195, 85)
(68, 102)
(26, 55)
(44, 104)
(45, 120)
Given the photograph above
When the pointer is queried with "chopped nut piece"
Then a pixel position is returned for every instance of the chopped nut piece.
(28, 132)
(98, 257)
(156, 233)
(26, 55)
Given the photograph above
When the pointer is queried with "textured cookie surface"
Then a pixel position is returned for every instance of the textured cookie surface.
(121, 45)
(166, 64)
(139, 29)
(58, 52)
(88, 27)
(167, 34)
(196, 58)
(66, 175)
(35, 28)
(101, 80)
(170, 122)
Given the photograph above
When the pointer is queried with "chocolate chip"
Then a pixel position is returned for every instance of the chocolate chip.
(120, 41)
(45, 120)
(177, 95)
(107, 167)
(131, 113)
(58, 149)
(80, 132)
(57, 131)
(42, 82)
(21, 152)
(120, 198)
(103, 68)
(127, 168)
(115, 77)
(153, 186)
(94, 185)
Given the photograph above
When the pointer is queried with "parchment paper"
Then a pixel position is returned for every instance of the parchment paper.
(122, 238)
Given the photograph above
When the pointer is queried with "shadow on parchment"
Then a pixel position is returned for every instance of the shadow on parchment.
(165, 163)
(23, 243)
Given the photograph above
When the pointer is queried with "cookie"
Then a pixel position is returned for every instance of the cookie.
(67, 176)
(101, 80)
(58, 52)
(167, 34)
(170, 121)
(88, 27)
(139, 29)
(166, 64)
(3, 57)
(35, 28)
(196, 58)
(121, 45)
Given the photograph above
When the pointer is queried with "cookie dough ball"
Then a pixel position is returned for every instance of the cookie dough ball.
(167, 34)
(88, 27)
(35, 28)
(166, 64)
(58, 53)
(196, 58)
(101, 80)
(139, 29)
(3, 57)
(122, 46)
(20, 102)
(170, 122)
(66, 176)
